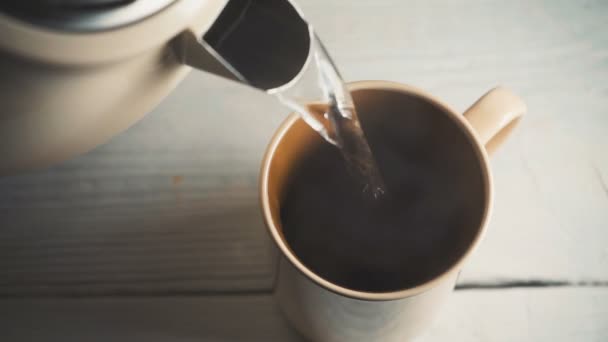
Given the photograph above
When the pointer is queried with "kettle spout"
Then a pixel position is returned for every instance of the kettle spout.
(261, 43)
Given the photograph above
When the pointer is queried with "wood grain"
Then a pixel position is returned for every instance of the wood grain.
(170, 206)
(551, 315)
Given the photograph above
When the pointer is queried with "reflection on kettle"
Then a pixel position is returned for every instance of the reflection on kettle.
(76, 72)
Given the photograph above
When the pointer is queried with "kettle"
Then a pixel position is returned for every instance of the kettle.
(73, 73)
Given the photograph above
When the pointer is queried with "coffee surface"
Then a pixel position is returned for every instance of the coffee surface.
(432, 211)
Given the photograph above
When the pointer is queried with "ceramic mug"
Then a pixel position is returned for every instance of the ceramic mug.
(324, 311)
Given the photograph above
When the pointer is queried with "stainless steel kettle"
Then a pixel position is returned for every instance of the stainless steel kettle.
(75, 72)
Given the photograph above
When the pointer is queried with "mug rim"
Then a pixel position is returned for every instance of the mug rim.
(480, 151)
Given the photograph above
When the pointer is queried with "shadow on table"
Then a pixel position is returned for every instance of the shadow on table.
(214, 245)
(146, 319)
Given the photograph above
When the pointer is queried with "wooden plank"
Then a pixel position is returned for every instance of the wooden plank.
(557, 314)
(165, 207)
(552, 315)
(171, 205)
(180, 319)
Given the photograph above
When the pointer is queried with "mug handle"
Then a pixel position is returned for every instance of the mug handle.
(494, 116)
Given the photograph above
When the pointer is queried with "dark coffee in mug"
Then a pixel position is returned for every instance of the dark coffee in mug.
(425, 223)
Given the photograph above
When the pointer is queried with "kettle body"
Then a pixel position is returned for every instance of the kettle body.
(72, 80)
(63, 93)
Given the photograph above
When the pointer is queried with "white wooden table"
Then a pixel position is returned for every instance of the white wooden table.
(157, 236)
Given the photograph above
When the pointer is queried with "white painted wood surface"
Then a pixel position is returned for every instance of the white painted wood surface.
(523, 315)
(170, 206)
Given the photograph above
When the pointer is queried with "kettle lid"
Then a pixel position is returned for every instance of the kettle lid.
(82, 15)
